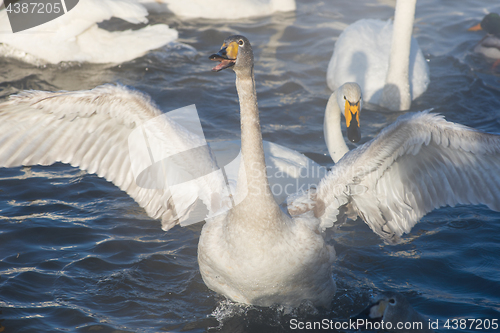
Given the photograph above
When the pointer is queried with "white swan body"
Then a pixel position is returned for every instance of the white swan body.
(220, 9)
(417, 164)
(75, 36)
(368, 53)
(255, 253)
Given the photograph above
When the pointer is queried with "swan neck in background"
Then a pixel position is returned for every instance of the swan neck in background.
(332, 129)
(396, 94)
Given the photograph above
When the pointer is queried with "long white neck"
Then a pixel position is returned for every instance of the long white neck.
(396, 94)
(332, 130)
(259, 199)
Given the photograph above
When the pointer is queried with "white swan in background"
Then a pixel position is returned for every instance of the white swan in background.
(253, 252)
(390, 68)
(75, 36)
(221, 8)
(392, 307)
(348, 101)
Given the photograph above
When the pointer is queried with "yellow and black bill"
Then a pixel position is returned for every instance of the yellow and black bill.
(351, 114)
(226, 56)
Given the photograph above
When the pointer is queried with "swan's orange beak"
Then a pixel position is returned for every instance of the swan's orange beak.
(477, 27)
(227, 56)
(352, 121)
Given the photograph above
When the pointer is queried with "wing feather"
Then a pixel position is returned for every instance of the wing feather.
(90, 130)
(418, 164)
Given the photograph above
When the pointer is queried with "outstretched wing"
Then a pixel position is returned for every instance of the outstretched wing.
(419, 163)
(120, 135)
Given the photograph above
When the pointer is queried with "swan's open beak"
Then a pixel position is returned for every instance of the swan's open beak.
(352, 121)
(477, 27)
(227, 56)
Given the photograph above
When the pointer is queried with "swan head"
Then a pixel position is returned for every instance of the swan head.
(490, 24)
(350, 102)
(236, 52)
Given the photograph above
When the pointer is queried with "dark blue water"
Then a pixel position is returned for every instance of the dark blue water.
(78, 255)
